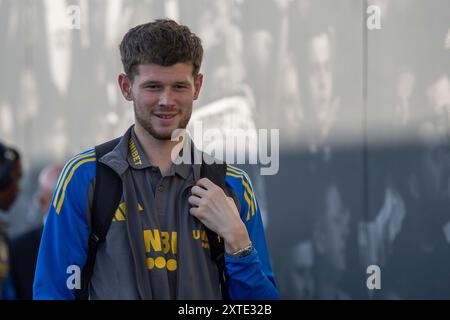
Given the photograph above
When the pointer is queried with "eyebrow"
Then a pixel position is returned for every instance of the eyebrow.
(149, 82)
(154, 82)
(187, 83)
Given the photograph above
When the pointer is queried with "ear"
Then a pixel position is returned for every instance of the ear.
(125, 86)
(198, 81)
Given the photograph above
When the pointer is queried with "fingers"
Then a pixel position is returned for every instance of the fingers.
(195, 212)
(194, 201)
(198, 191)
(206, 183)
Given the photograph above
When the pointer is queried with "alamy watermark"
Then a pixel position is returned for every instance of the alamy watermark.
(73, 280)
(73, 13)
(374, 19)
(234, 146)
(374, 279)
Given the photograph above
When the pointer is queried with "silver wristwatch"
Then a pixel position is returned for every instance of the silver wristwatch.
(246, 251)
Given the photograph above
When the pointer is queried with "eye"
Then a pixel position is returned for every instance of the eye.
(180, 86)
(153, 87)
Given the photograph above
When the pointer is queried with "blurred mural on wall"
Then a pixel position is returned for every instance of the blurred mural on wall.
(364, 115)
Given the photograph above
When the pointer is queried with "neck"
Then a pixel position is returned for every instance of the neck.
(157, 151)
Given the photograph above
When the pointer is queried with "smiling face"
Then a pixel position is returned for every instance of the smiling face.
(162, 97)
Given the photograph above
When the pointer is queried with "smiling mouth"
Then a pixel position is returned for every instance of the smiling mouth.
(165, 116)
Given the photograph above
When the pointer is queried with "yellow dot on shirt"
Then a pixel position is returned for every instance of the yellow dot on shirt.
(171, 264)
(150, 263)
(160, 262)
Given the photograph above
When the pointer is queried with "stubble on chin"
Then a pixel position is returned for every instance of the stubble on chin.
(149, 128)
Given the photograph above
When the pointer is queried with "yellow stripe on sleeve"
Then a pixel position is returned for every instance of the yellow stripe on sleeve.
(234, 169)
(244, 177)
(61, 200)
(243, 182)
(250, 205)
(247, 187)
(249, 201)
(65, 171)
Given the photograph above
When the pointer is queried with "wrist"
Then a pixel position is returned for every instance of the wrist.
(237, 240)
(241, 253)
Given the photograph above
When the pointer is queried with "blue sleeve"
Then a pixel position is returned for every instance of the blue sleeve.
(65, 237)
(251, 277)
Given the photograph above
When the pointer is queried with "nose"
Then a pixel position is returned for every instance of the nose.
(166, 98)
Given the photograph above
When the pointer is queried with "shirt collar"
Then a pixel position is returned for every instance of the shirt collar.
(136, 156)
(137, 159)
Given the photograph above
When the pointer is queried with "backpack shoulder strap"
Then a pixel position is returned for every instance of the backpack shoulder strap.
(216, 173)
(104, 205)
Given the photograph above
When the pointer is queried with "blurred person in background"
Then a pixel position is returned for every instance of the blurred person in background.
(321, 102)
(317, 264)
(10, 175)
(420, 253)
(24, 248)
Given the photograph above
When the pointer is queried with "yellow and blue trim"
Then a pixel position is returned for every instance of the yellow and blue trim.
(247, 190)
(67, 175)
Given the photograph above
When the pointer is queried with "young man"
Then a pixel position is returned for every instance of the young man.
(156, 246)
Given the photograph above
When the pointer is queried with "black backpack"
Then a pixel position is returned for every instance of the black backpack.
(105, 204)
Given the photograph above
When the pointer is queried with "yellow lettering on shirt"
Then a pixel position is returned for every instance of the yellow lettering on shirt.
(152, 240)
(134, 153)
(174, 242)
(196, 234)
(165, 239)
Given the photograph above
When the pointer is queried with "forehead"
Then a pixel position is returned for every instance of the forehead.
(174, 73)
